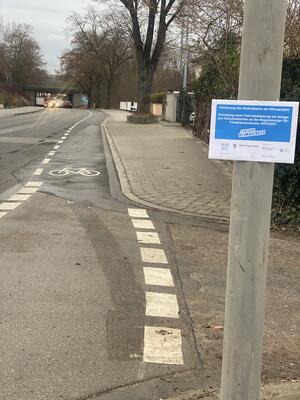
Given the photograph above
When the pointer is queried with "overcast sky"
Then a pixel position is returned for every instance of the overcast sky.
(48, 18)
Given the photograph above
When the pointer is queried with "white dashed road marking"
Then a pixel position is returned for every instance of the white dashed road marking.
(157, 256)
(46, 161)
(158, 277)
(51, 153)
(142, 224)
(38, 171)
(34, 184)
(137, 213)
(56, 147)
(148, 237)
(162, 305)
(28, 190)
(162, 345)
(19, 197)
(9, 206)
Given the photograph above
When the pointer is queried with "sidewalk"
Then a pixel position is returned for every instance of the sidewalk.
(11, 112)
(166, 168)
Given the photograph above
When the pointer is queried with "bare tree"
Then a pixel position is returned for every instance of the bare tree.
(20, 55)
(77, 66)
(292, 31)
(102, 36)
(150, 20)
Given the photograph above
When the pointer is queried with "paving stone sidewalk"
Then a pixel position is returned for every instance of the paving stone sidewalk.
(165, 167)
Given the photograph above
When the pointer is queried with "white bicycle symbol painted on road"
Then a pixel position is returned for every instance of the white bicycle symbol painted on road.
(74, 171)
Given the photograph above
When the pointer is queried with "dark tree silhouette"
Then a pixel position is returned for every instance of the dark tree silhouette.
(150, 20)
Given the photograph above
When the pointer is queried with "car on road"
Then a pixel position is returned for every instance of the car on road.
(67, 104)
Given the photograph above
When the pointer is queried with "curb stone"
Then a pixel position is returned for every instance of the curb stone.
(20, 113)
(28, 112)
(127, 190)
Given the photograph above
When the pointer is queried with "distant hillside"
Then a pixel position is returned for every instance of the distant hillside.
(11, 96)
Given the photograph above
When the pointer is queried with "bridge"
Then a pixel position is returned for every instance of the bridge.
(53, 85)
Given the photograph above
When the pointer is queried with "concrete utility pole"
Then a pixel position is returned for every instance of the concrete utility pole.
(185, 69)
(186, 55)
(260, 79)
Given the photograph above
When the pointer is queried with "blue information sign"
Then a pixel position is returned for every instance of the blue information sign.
(253, 131)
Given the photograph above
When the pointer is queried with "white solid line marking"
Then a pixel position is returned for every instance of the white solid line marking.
(56, 147)
(2, 214)
(19, 197)
(51, 153)
(28, 190)
(162, 346)
(137, 213)
(142, 224)
(162, 305)
(46, 161)
(34, 184)
(158, 277)
(148, 237)
(9, 206)
(38, 171)
(150, 255)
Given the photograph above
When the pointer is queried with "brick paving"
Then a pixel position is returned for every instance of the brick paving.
(169, 169)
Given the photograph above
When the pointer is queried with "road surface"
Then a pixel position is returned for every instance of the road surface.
(91, 302)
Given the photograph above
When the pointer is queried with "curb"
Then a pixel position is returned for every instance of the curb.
(128, 192)
(28, 112)
(21, 113)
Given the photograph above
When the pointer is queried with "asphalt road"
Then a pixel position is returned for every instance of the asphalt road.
(78, 319)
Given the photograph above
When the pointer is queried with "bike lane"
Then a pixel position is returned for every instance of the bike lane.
(73, 284)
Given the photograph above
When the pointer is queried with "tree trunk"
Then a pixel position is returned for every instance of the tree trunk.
(108, 93)
(145, 81)
(89, 93)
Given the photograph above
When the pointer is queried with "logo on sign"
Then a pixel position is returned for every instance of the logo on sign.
(244, 133)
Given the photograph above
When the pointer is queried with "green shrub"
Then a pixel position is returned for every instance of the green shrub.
(158, 97)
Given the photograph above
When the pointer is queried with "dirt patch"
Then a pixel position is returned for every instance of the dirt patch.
(202, 256)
